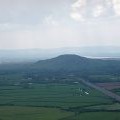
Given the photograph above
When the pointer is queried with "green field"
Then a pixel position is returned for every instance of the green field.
(96, 116)
(52, 102)
(32, 113)
(51, 95)
(39, 113)
(115, 106)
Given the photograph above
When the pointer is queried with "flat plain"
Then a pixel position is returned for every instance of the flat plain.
(53, 102)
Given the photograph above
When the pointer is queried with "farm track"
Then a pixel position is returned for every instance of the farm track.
(104, 91)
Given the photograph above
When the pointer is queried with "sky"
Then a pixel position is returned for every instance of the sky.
(45, 24)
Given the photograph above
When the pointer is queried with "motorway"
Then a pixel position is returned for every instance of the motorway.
(104, 91)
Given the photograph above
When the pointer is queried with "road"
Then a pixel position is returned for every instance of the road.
(106, 92)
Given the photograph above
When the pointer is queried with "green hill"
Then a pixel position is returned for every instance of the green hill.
(75, 63)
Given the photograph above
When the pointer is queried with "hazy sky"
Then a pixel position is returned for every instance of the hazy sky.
(59, 23)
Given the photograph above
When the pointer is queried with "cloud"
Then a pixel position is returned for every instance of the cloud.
(76, 16)
(78, 4)
(116, 6)
(50, 20)
(47, 23)
(82, 10)
(77, 10)
(98, 11)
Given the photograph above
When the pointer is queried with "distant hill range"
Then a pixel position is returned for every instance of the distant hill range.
(32, 55)
(67, 64)
(77, 64)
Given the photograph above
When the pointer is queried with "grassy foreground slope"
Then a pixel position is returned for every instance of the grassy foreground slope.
(96, 116)
(31, 113)
(40, 113)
